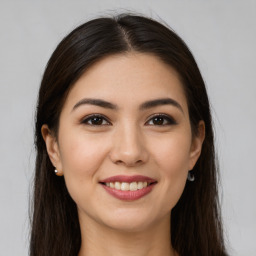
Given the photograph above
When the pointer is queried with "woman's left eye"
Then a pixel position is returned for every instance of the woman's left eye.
(161, 120)
(96, 120)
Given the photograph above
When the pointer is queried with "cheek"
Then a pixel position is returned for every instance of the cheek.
(172, 158)
(81, 157)
(174, 154)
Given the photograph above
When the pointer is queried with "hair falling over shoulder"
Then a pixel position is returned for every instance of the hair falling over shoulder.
(196, 226)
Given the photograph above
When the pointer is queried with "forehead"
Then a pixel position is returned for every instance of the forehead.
(128, 79)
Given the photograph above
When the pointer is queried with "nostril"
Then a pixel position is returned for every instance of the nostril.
(130, 157)
(119, 162)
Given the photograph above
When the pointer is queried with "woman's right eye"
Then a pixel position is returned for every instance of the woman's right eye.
(95, 120)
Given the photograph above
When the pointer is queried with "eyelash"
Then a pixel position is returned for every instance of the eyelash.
(167, 120)
(99, 116)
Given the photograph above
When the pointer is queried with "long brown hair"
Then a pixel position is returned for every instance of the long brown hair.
(196, 227)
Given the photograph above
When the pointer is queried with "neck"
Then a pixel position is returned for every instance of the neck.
(98, 240)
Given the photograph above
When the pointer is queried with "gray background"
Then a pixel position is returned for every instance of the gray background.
(222, 36)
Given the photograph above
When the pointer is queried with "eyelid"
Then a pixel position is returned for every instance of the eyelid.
(88, 117)
(171, 120)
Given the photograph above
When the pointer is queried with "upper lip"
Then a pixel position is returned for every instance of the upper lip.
(128, 179)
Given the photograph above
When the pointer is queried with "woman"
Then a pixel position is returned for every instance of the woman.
(125, 149)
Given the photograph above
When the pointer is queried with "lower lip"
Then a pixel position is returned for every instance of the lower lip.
(129, 195)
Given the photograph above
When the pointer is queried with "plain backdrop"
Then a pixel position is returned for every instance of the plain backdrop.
(222, 37)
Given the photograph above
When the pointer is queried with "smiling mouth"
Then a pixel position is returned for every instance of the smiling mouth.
(128, 187)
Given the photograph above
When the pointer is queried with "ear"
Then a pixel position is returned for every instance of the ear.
(196, 145)
(52, 148)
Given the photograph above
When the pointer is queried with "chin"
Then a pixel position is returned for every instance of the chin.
(128, 226)
(130, 221)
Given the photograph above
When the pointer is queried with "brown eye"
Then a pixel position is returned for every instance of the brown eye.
(160, 120)
(95, 120)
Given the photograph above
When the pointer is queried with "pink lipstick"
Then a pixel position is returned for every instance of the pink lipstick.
(128, 187)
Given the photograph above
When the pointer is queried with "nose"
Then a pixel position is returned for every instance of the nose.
(128, 147)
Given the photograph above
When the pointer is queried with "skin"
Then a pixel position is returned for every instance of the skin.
(127, 141)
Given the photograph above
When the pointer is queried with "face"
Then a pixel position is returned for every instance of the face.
(124, 142)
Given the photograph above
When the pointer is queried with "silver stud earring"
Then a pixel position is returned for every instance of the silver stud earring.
(191, 177)
(57, 173)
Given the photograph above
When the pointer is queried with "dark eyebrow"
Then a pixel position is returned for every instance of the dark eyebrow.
(143, 106)
(95, 102)
(159, 102)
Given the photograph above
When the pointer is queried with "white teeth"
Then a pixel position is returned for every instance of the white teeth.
(117, 185)
(133, 186)
(140, 185)
(125, 186)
